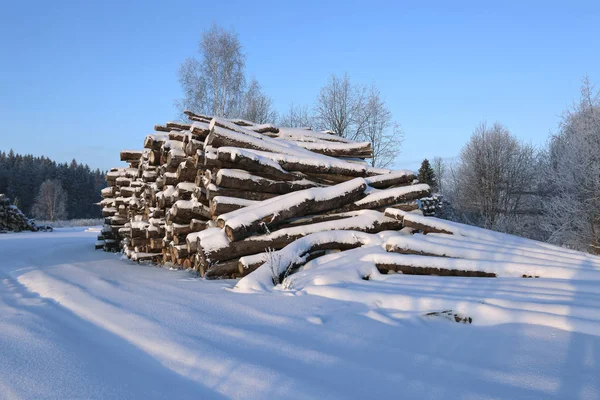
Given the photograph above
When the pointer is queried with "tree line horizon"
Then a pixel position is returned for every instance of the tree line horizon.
(48, 190)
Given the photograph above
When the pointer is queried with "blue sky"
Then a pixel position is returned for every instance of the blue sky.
(86, 79)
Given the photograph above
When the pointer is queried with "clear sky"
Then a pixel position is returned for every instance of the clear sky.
(85, 79)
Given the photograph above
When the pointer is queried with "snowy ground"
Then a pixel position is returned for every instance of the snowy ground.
(79, 323)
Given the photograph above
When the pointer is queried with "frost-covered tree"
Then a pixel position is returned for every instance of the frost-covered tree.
(340, 107)
(214, 84)
(256, 105)
(495, 181)
(426, 174)
(359, 113)
(51, 201)
(378, 129)
(572, 212)
(297, 117)
(439, 169)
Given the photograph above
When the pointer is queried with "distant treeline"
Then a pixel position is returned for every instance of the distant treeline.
(22, 175)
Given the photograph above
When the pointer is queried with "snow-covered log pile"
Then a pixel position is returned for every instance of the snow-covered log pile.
(12, 219)
(213, 193)
(425, 246)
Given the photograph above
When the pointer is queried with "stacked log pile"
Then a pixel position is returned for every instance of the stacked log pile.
(12, 219)
(424, 246)
(213, 193)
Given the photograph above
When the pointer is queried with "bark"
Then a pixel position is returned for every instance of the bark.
(131, 155)
(280, 239)
(411, 270)
(389, 197)
(238, 179)
(179, 136)
(295, 206)
(175, 157)
(389, 180)
(267, 170)
(178, 126)
(213, 191)
(197, 225)
(192, 147)
(222, 205)
(179, 252)
(186, 171)
(224, 270)
(183, 211)
(353, 150)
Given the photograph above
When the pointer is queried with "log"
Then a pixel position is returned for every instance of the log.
(256, 164)
(339, 149)
(313, 219)
(179, 252)
(149, 176)
(417, 222)
(213, 191)
(107, 192)
(395, 178)
(308, 135)
(185, 190)
(408, 269)
(225, 270)
(200, 130)
(366, 221)
(183, 211)
(186, 171)
(155, 142)
(181, 230)
(175, 157)
(156, 243)
(197, 225)
(388, 197)
(240, 179)
(197, 117)
(247, 265)
(223, 204)
(161, 128)
(171, 178)
(301, 257)
(181, 126)
(192, 147)
(242, 223)
(131, 155)
(180, 136)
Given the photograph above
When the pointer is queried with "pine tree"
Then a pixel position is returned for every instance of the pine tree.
(427, 174)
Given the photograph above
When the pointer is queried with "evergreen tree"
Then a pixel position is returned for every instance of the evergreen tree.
(427, 174)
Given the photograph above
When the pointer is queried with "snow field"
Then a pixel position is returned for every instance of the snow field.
(82, 324)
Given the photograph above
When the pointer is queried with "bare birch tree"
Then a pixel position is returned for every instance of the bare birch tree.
(297, 117)
(339, 107)
(378, 129)
(51, 201)
(439, 168)
(572, 212)
(214, 84)
(257, 106)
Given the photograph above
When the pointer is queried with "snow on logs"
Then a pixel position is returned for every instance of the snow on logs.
(216, 194)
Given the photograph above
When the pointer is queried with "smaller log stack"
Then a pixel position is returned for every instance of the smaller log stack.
(12, 219)
(208, 193)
